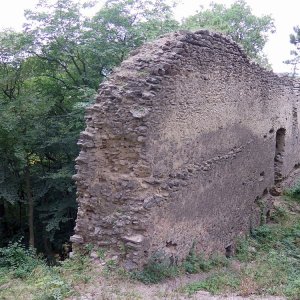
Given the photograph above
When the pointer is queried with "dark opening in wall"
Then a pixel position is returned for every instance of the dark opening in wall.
(279, 155)
(261, 176)
(171, 244)
(297, 166)
(268, 216)
(228, 251)
(265, 192)
(295, 116)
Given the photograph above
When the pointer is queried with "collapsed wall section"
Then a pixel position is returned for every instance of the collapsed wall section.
(180, 146)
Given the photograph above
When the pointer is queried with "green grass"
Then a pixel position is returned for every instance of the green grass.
(24, 275)
(215, 284)
(266, 263)
(159, 269)
(293, 193)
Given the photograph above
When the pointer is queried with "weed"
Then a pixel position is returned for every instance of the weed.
(50, 286)
(293, 193)
(123, 249)
(215, 284)
(88, 248)
(19, 260)
(262, 207)
(246, 249)
(29, 277)
(101, 253)
(110, 267)
(269, 260)
(156, 271)
(279, 215)
(195, 263)
(111, 264)
(76, 269)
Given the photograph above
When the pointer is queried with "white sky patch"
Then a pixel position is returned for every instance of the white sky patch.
(285, 14)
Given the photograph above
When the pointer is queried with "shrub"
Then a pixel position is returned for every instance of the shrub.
(156, 271)
(195, 263)
(293, 193)
(19, 260)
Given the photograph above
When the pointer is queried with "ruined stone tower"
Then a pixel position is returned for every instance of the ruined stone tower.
(184, 138)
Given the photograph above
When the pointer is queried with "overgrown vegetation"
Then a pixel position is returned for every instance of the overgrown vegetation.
(295, 53)
(24, 275)
(267, 262)
(159, 269)
(293, 193)
(156, 271)
(218, 283)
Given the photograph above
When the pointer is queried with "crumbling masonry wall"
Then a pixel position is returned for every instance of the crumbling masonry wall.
(179, 148)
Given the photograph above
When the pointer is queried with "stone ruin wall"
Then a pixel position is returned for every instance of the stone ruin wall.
(179, 148)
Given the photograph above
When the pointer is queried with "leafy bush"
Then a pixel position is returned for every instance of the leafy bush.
(195, 263)
(293, 193)
(156, 271)
(32, 275)
(279, 215)
(51, 287)
(19, 260)
(159, 269)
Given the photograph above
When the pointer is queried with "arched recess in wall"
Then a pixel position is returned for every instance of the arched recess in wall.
(279, 155)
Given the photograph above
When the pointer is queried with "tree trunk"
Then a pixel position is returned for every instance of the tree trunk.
(30, 206)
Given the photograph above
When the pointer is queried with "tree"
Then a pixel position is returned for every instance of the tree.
(38, 134)
(48, 74)
(239, 23)
(295, 41)
(123, 25)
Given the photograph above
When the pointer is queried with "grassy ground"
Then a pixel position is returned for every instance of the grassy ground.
(266, 263)
(25, 276)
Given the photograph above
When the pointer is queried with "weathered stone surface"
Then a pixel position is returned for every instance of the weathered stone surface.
(77, 239)
(136, 239)
(184, 139)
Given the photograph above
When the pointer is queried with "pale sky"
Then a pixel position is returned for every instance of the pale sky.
(285, 13)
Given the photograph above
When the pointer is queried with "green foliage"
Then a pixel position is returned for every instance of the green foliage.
(52, 287)
(279, 215)
(266, 263)
(101, 252)
(215, 284)
(239, 23)
(295, 53)
(159, 268)
(76, 269)
(49, 73)
(28, 276)
(293, 193)
(155, 271)
(19, 260)
(88, 248)
(195, 263)
(245, 249)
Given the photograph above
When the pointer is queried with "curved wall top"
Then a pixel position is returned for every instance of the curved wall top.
(180, 145)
